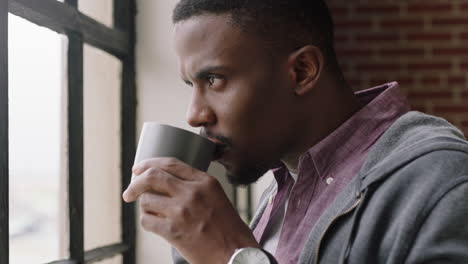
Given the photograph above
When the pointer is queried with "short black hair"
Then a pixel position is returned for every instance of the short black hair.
(287, 23)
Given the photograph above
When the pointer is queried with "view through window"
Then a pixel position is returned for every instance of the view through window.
(35, 125)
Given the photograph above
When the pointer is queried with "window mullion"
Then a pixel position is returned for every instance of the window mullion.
(124, 20)
(75, 145)
(4, 170)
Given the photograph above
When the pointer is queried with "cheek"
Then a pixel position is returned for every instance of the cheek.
(249, 114)
(237, 108)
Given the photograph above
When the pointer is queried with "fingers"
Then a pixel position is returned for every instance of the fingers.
(170, 165)
(152, 180)
(155, 204)
(163, 226)
(153, 223)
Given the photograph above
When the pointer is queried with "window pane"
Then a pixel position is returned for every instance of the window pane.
(101, 148)
(36, 149)
(101, 11)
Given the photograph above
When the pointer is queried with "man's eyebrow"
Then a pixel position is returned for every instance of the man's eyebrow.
(207, 71)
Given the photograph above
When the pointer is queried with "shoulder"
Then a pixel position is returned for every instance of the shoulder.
(411, 137)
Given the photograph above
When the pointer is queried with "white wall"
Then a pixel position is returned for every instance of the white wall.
(162, 97)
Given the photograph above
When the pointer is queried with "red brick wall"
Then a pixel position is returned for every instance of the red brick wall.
(422, 44)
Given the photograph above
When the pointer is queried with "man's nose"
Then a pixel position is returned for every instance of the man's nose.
(200, 114)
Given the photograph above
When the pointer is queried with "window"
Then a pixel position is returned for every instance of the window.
(35, 145)
(65, 141)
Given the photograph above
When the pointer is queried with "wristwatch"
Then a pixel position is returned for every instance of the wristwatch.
(252, 256)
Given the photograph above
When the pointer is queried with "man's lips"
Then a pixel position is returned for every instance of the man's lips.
(217, 142)
(220, 148)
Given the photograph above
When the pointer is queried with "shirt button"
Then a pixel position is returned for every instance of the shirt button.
(329, 180)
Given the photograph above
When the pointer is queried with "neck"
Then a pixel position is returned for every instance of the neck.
(321, 123)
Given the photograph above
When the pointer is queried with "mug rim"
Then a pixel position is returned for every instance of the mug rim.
(153, 123)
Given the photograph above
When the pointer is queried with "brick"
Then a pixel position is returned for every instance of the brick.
(402, 23)
(420, 108)
(456, 80)
(378, 81)
(464, 66)
(464, 35)
(464, 95)
(429, 7)
(465, 126)
(345, 67)
(452, 109)
(419, 102)
(431, 81)
(341, 39)
(379, 67)
(402, 52)
(464, 7)
(356, 82)
(429, 36)
(378, 9)
(352, 23)
(452, 21)
(355, 52)
(451, 51)
(378, 37)
(430, 95)
(429, 66)
(405, 81)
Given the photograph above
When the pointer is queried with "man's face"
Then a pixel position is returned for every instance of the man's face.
(241, 94)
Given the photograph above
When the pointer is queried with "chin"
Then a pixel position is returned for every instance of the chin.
(243, 172)
(246, 175)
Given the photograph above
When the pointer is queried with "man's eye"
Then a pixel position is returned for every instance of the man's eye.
(211, 80)
(214, 81)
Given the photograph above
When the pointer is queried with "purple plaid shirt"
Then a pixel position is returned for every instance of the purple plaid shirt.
(326, 168)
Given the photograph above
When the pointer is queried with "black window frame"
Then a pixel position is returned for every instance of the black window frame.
(118, 41)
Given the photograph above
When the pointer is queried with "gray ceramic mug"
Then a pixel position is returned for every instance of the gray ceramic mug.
(158, 140)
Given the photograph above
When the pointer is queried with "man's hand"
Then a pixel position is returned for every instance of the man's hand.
(189, 209)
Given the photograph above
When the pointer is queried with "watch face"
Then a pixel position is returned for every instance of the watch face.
(251, 256)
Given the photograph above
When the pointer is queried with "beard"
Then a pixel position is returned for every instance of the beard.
(243, 173)
(246, 175)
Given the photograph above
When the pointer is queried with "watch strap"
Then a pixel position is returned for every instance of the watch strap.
(271, 258)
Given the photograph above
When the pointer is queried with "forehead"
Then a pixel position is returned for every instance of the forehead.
(209, 40)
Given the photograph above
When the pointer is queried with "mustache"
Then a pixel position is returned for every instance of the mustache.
(226, 142)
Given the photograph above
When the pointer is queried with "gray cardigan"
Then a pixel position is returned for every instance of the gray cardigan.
(408, 203)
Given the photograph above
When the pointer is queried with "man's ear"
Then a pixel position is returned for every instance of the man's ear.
(306, 66)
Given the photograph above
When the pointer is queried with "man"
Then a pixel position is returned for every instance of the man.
(358, 177)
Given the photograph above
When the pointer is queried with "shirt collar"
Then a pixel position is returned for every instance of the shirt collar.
(382, 106)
